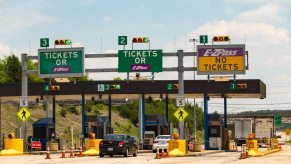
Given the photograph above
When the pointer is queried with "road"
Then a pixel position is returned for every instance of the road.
(283, 157)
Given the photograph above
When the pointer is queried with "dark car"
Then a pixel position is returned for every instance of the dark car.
(117, 144)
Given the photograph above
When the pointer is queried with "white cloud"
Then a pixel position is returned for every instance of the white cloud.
(266, 13)
(107, 19)
(4, 49)
(15, 22)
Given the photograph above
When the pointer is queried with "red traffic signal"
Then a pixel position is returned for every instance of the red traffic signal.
(221, 38)
(140, 40)
(54, 87)
(242, 86)
(175, 86)
(63, 42)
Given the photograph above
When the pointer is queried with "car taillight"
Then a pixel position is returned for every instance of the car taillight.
(155, 141)
(121, 143)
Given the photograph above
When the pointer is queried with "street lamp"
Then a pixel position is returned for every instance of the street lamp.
(194, 110)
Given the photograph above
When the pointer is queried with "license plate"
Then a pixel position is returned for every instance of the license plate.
(110, 149)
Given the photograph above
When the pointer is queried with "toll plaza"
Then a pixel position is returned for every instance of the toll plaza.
(206, 89)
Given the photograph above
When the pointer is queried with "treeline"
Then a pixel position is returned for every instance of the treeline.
(266, 112)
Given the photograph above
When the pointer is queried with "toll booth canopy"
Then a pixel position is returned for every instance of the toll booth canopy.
(97, 124)
(156, 123)
(43, 131)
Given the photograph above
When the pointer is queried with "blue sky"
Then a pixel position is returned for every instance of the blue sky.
(263, 25)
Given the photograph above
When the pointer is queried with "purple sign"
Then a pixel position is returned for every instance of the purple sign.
(220, 51)
(140, 67)
(61, 69)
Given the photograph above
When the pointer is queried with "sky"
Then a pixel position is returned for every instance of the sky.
(262, 25)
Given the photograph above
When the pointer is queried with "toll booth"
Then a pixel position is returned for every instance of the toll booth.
(156, 123)
(43, 131)
(97, 124)
(215, 131)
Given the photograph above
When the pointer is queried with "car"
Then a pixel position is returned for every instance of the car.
(117, 144)
(161, 141)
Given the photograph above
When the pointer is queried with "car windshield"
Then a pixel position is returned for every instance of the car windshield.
(163, 137)
(114, 137)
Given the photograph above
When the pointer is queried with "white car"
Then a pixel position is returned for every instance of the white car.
(161, 141)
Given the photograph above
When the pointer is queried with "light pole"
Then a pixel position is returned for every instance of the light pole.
(194, 110)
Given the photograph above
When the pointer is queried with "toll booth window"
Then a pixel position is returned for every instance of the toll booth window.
(39, 132)
(213, 131)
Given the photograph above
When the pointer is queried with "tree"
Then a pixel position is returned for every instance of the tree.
(12, 68)
(33, 77)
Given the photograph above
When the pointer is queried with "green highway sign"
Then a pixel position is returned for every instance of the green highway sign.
(44, 42)
(46, 88)
(278, 120)
(169, 86)
(122, 40)
(203, 39)
(61, 62)
(233, 86)
(140, 60)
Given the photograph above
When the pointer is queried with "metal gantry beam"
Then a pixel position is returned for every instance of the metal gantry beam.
(112, 55)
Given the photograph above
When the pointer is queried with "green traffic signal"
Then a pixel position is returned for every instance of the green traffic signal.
(145, 40)
(68, 42)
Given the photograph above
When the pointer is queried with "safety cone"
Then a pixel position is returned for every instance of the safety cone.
(63, 153)
(158, 154)
(163, 152)
(72, 153)
(167, 153)
(242, 155)
(81, 153)
(48, 156)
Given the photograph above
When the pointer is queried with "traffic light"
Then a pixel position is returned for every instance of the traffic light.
(242, 86)
(63, 42)
(54, 87)
(140, 40)
(114, 86)
(11, 136)
(92, 136)
(221, 38)
(175, 86)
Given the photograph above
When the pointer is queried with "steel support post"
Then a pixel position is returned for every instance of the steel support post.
(206, 132)
(110, 109)
(54, 115)
(141, 116)
(181, 87)
(24, 93)
(83, 119)
(167, 108)
(225, 112)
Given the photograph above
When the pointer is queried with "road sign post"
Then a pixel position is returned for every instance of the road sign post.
(122, 40)
(61, 62)
(23, 114)
(140, 61)
(44, 42)
(180, 101)
(181, 88)
(181, 114)
(23, 101)
(203, 39)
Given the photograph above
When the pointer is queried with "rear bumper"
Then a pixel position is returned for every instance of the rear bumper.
(115, 151)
